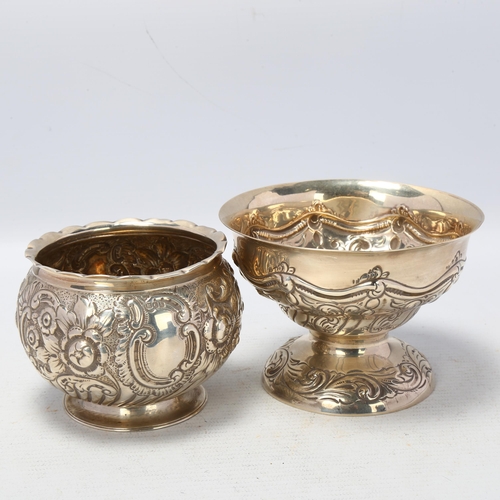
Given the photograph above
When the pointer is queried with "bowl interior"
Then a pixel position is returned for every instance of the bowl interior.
(351, 215)
(127, 251)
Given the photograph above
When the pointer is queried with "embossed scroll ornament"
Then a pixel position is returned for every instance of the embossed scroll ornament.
(132, 356)
(350, 261)
(372, 305)
(317, 226)
(345, 390)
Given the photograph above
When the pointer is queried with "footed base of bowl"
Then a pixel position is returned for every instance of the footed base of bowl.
(332, 379)
(137, 418)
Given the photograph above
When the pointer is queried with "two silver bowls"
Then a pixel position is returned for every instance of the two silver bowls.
(129, 318)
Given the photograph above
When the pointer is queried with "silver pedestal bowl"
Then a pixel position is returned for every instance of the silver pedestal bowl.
(128, 318)
(350, 261)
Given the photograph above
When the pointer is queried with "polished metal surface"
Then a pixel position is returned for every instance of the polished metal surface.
(350, 261)
(128, 318)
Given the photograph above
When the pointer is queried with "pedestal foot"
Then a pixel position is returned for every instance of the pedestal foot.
(333, 379)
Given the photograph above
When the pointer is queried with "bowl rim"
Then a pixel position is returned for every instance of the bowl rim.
(224, 218)
(35, 246)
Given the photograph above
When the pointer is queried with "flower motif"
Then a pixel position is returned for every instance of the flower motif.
(32, 337)
(46, 320)
(82, 348)
(221, 331)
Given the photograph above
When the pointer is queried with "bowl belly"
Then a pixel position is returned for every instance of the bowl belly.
(130, 348)
(352, 296)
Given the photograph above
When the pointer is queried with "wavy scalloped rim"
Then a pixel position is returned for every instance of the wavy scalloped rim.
(217, 237)
(226, 218)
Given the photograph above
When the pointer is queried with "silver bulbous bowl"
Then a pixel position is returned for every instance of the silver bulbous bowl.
(128, 318)
(350, 261)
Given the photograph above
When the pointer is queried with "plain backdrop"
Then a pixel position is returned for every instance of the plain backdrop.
(112, 109)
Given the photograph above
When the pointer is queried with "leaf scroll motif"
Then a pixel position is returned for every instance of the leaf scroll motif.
(137, 333)
(348, 311)
(221, 330)
(300, 381)
(94, 391)
(317, 226)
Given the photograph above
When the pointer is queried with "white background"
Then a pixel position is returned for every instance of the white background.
(112, 109)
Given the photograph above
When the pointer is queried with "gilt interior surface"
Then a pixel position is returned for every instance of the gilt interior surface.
(342, 227)
(126, 254)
